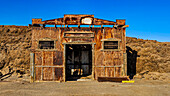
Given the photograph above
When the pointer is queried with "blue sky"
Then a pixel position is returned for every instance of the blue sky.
(147, 19)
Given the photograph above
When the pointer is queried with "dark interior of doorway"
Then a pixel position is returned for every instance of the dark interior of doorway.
(78, 61)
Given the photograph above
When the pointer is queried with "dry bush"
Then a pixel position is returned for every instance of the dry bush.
(154, 56)
(15, 45)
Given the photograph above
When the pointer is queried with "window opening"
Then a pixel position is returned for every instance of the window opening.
(46, 44)
(110, 44)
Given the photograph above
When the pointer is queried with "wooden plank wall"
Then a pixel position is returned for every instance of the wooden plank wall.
(106, 63)
(49, 65)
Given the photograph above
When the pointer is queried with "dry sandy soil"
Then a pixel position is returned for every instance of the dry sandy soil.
(86, 88)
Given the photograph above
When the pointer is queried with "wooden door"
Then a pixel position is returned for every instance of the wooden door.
(49, 66)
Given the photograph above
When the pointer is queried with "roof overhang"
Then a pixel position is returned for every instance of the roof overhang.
(78, 20)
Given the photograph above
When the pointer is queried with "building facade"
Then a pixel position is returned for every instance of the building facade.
(77, 46)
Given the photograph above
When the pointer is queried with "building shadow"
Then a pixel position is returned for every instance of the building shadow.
(131, 62)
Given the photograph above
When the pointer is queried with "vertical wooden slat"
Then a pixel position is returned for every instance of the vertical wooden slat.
(104, 72)
(41, 73)
(125, 63)
(32, 66)
(47, 74)
(114, 71)
(53, 65)
(42, 65)
(53, 73)
(64, 62)
(93, 58)
(38, 73)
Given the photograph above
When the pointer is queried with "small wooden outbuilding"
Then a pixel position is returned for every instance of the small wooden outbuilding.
(77, 46)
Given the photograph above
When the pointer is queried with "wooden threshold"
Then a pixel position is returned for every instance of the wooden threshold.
(112, 79)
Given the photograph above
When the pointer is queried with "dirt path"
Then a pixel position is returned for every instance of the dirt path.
(92, 88)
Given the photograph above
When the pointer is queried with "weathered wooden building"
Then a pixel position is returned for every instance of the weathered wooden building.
(77, 46)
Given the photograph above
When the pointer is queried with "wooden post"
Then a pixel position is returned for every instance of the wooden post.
(114, 72)
(125, 64)
(32, 67)
(53, 65)
(64, 54)
(93, 61)
(43, 58)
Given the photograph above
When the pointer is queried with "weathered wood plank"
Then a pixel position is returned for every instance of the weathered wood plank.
(112, 79)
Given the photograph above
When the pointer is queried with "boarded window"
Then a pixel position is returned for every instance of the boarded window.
(46, 44)
(110, 44)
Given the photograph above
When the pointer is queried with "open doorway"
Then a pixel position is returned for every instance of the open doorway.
(78, 61)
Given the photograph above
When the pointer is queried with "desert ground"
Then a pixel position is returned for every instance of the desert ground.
(141, 87)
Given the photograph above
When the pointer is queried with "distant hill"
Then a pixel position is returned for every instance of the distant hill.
(152, 55)
(15, 44)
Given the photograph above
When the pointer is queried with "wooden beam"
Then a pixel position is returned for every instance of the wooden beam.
(125, 26)
(112, 79)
